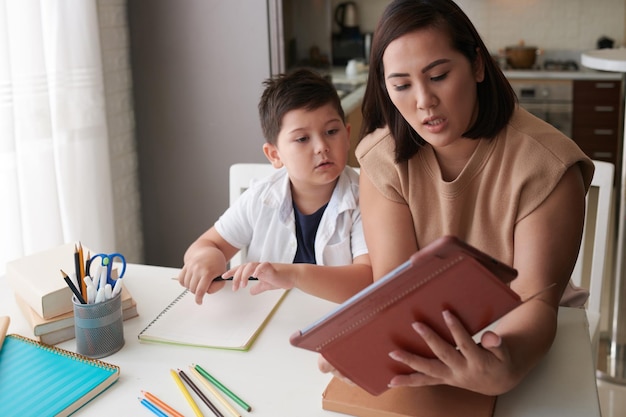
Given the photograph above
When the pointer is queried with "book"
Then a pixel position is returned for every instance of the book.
(42, 380)
(52, 335)
(448, 274)
(37, 279)
(227, 319)
(429, 401)
(42, 326)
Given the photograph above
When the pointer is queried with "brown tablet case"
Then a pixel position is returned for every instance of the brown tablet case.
(430, 401)
(448, 274)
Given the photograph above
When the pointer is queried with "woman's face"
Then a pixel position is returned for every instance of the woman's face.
(432, 85)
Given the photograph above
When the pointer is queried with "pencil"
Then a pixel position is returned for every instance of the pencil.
(222, 388)
(152, 407)
(161, 404)
(186, 394)
(70, 284)
(79, 280)
(197, 390)
(215, 392)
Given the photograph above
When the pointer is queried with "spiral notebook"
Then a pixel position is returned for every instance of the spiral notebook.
(42, 380)
(225, 320)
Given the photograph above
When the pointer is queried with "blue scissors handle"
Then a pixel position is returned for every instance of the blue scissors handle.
(107, 262)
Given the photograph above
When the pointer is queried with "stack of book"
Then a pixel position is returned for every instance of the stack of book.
(45, 298)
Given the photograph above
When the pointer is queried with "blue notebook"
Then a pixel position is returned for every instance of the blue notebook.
(41, 380)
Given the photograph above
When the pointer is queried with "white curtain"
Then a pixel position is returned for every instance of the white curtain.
(55, 180)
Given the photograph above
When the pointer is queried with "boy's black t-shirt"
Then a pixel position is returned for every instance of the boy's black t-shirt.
(306, 229)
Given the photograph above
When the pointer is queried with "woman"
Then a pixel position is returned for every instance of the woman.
(448, 151)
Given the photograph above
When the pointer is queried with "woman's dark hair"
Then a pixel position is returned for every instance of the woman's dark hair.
(496, 98)
(300, 89)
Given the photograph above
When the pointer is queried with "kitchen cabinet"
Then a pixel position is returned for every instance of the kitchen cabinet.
(596, 118)
(355, 118)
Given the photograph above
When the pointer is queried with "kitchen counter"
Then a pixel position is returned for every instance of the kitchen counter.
(583, 74)
(353, 99)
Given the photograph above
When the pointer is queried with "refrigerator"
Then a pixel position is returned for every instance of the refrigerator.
(197, 73)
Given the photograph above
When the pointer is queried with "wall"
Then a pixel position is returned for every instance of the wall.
(121, 127)
(580, 23)
(548, 24)
(197, 71)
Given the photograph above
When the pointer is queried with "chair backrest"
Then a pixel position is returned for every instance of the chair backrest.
(595, 257)
(240, 176)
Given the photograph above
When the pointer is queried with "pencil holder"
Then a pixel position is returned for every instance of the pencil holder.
(99, 327)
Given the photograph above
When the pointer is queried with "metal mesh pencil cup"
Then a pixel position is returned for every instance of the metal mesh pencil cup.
(99, 327)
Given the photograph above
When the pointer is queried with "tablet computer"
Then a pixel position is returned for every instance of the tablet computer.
(448, 274)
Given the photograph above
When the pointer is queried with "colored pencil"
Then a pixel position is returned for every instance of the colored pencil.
(152, 407)
(161, 404)
(79, 280)
(215, 392)
(222, 388)
(200, 394)
(185, 393)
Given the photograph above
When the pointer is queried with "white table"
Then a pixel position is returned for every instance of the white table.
(278, 380)
(615, 60)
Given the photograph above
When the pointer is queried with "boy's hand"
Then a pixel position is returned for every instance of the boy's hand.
(269, 277)
(198, 277)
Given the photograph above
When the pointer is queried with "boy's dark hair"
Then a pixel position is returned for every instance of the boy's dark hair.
(496, 98)
(300, 89)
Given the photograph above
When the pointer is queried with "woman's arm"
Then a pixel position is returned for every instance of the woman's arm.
(388, 228)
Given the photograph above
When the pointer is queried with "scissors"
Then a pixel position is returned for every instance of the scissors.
(107, 262)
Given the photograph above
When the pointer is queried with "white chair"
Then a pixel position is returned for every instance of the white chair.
(593, 266)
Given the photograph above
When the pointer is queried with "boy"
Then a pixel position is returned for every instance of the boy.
(302, 225)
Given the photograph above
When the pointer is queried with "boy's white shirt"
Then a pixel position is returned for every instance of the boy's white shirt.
(263, 220)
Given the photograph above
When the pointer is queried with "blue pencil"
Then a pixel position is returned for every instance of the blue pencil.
(152, 407)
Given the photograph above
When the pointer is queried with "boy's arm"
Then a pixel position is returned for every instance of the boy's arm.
(205, 259)
(333, 283)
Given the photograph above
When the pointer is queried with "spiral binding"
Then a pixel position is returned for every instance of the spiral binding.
(67, 353)
(165, 310)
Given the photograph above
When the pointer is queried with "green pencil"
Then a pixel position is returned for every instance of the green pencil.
(222, 388)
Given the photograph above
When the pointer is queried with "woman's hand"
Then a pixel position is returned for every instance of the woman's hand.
(326, 367)
(486, 367)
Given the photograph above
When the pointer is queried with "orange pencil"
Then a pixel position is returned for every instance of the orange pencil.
(80, 284)
(161, 404)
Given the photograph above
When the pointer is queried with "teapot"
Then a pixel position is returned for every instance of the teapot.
(346, 17)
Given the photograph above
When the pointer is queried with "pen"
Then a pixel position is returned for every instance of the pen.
(197, 390)
(231, 278)
(215, 392)
(152, 407)
(161, 404)
(117, 287)
(222, 388)
(186, 394)
(70, 284)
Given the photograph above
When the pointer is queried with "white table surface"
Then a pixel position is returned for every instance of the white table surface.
(278, 380)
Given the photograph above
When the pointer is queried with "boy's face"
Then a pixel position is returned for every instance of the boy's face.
(313, 145)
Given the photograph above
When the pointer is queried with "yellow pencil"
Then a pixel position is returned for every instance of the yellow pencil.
(215, 392)
(186, 394)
